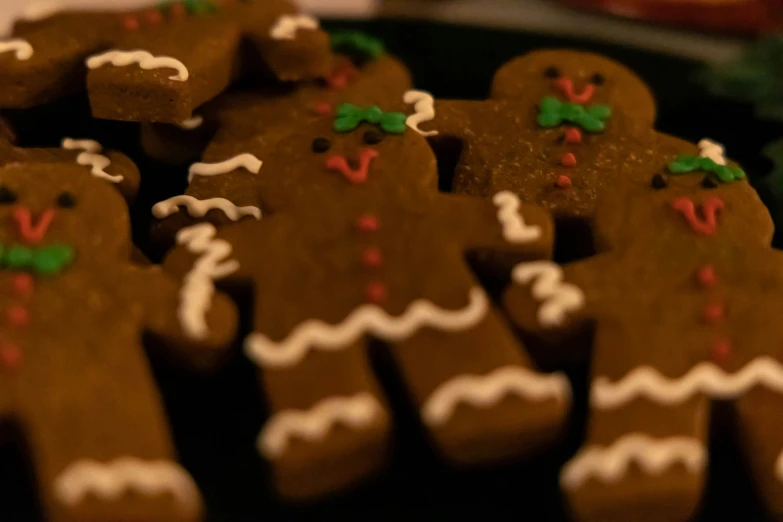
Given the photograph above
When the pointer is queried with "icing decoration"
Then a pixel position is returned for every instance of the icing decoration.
(424, 107)
(356, 40)
(18, 315)
(553, 112)
(514, 228)
(191, 123)
(190, 6)
(47, 260)
(568, 160)
(198, 285)
(366, 319)
(367, 223)
(130, 23)
(144, 59)
(10, 355)
(705, 377)
(91, 157)
(22, 48)
(558, 297)
(706, 276)
(286, 26)
(342, 76)
(22, 284)
(779, 467)
(322, 108)
(350, 116)
(356, 412)
(721, 350)
(199, 207)
(40, 9)
(484, 391)
(713, 313)
(376, 293)
(573, 135)
(246, 161)
(566, 86)
(32, 233)
(372, 257)
(652, 456)
(340, 164)
(684, 164)
(709, 207)
(110, 480)
(153, 16)
(563, 182)
(712, 150)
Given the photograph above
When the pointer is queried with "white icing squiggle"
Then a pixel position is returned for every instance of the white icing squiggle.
(199, 207)
(246, 161)
(712, 150)
(286, 26)
(514, 228)
(191, 123)
(22, 48)
(198, 286)
(40, 9)
(705, 377)
(144, 59)
(92, 157)
(424, 107)
(355, 412)
(482, 391)
(609, 464)
(366, 319)
(558, 297)
(110, 480)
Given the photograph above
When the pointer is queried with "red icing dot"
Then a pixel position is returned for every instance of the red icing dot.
(130, 23)
(568, 160)
(323, 108)
(10, 356)
(706, 276)
(563, 182)
(367, 223)
(153, 16)
(22, 284)
(376, 292)
(713, 313)
(372, 257)
(721, 350)
(18, 315)
(573, 135)
(177, 11)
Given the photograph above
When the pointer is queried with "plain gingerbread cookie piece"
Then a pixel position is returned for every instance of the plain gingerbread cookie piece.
(75, 376)
(359, 244)
(683, 300)
(160, 63)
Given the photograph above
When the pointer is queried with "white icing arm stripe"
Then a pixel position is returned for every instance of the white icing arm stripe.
(286, 26)
(109, 481)
(144, 59)
(22, 48)
(424, 107)
(91, 157)
(198, 287)
(199, 207)
(246, 161)
(40, 9)
(482, 391)
(653, 456)
(514, 228)
(712, 150)
(558, 298)
(191, 123)
(366, 319)
(354, 412)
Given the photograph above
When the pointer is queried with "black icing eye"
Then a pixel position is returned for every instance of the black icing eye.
(321, 145)
(66, 200)
(552, 72)
(709, 183)
(7, 195)
(372, 137)
(659, 182)
(597, 79)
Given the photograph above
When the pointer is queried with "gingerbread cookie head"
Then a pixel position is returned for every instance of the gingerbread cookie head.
(575, 78)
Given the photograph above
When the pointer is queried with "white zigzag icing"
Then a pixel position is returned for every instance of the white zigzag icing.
(199, 207)
(246, 161)
(424, 107)
(482, 391)
(198, 286)
(713, 150)
(366, 319)
(92, 157)
(559, 298)
(191, 123)
(653, 456)
(110, 480)
(514, 228)
(313, 424)
(705, 377)
(286, 26)
(144, 59)
(22, 48)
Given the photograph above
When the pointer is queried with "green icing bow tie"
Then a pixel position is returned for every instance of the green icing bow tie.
(48, 260)
(552, 112)
(725, 173)
(359, 41)
(350, 116)
(192, 6)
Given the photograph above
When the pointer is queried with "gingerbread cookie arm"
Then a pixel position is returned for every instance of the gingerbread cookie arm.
(455, 119)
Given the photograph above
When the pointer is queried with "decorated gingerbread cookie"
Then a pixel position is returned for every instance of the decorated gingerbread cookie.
(157, 64)
(354, 242)
(75, 376)
(682, 302)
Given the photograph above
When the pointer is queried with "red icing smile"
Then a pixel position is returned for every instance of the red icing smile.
(340, 164)
(566, 86)
(32, 233)
(709, 208)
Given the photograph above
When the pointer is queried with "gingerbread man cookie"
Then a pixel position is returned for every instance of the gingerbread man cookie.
(75, 376)
(160, 63)
(682, 303)
(355, 243)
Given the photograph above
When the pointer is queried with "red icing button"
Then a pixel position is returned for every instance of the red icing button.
(153, 16)
(563, 182)
(568, 160)
(376, 292)
(372, 257)
(10, 356)
(706, 276)
(721, 350)
(573, 135)
(130, 23)
(323, 108)
(367, 223)
(713, 313)
(18, 315)
(177, 11)
(22, 284)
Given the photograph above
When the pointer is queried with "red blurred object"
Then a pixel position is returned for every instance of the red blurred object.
(738, 16)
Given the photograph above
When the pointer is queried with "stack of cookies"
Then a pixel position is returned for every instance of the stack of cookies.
(313, 170)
